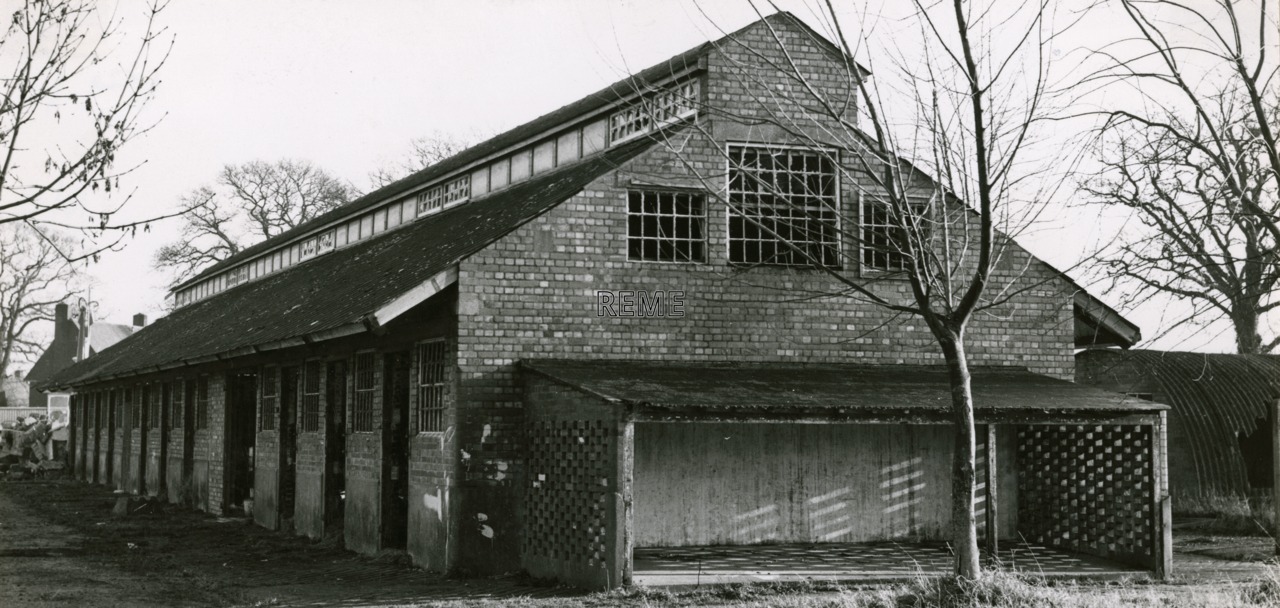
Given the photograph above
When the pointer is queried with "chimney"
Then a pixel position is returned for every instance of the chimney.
(139, 320)
(17, 374)
(62, 328)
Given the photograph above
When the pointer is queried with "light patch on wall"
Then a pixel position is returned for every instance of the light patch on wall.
(485, 529)
(435, 502)
(485, 433)
(757, 525)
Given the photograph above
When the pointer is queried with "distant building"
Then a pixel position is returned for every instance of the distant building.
(14, 391)
(72, 341)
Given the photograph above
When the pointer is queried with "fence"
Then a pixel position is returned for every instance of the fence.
(11, 414)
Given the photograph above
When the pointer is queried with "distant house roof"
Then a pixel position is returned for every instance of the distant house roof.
(103, 335)
(663, 390)
(340, 290)
(600, 99)
(1217, 398)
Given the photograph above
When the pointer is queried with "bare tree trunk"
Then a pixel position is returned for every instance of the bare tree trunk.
(964, 525)
(1245, 321)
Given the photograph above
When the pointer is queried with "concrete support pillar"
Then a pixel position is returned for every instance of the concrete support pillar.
(1275, 468)
(1163, 505)
(993, 496)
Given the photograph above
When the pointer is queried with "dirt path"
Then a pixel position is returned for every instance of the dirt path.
(60, 545)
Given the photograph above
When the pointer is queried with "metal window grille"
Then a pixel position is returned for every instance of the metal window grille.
(311, 397)
(654, 112)
(444, 194)
(135, 410)
(783, 207)
(431, 386)
(155, 393)
(117, 405)
(882, 235)
(362, 409)
(202, 403)
(177, 403)
(666, 227)
(270, 399)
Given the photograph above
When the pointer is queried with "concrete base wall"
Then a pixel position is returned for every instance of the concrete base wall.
(174, 483)
(742, 483)
(266, 492)
(431, 494)
(155, 465)
(362, 521)
(308, 512)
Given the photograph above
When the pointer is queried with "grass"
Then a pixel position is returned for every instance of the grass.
(995, 590)
(1230, 515)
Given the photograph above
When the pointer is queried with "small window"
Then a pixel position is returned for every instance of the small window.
(156, 395)
(202, 403)
(783, 207)
(431, 386)
(177, 402)
(270, 399)
(666, 227)
(135, 409)
(362, 410)
(311, 397)
(882, 237)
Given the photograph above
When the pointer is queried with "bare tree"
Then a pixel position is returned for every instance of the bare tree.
(937, 163)
(1197, 163)
(249, 203)
(423, 152)
(34, 277)
(73, 97)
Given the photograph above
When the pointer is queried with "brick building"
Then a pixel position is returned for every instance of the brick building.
(561, 345)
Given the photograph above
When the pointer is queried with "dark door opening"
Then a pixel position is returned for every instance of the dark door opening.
(108, 475)
(188, 442)
(335, 446)
(395, 441)
(241, 412)
(288, 443)
(1255, 448)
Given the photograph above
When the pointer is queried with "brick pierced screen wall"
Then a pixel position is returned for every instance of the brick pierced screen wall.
(1088, 489)
(572, 528)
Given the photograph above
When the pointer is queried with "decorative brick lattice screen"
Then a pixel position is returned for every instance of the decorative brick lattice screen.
(568, 491)
(1088, 489)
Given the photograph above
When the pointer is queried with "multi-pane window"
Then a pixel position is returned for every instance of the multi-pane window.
(882, 238)
(177, 403)
(666, 227)
(202, 403)
(431, 383)
(783, 207)
(154, 394)
(655, 111)
(135, 409)
(362, 409)
(311, 397)
(270, 399)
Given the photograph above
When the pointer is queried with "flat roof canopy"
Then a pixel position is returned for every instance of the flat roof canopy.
(756, 391)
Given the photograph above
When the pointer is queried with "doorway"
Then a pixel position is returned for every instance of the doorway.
(335, 441)
(395, 439)
(240, 421)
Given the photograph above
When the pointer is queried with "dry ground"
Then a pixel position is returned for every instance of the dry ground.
(60, 545)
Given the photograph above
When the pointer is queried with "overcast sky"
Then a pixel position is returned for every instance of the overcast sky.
(347, 85)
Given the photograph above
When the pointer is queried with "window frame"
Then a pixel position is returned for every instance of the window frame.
(701, 218)
(311, 415)
(838, 205)
(424, 414)
(363, 421)
(269, 403)
(866, 270)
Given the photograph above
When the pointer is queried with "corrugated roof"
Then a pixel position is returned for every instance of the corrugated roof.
(564, 115)
(343, 287)
(1214, 397)
(729, 387)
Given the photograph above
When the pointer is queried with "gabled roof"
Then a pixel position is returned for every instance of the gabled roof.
(691, 389)
(562, 117)
(103, 335)
(58, 355)
(343, 289)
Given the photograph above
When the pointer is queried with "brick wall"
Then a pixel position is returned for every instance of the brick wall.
(363, 518)
(532, 294)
